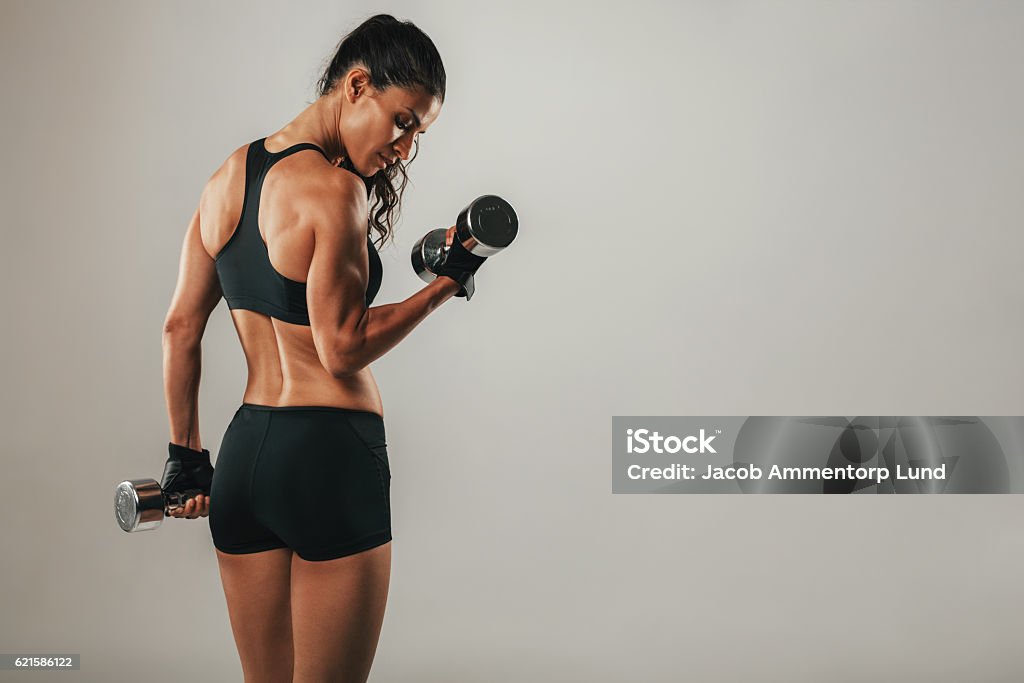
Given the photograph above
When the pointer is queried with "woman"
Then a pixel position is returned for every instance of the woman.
(299, 504)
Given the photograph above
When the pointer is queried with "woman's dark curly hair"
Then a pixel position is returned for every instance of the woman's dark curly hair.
(394, 53)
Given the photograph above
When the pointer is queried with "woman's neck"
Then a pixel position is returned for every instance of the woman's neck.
(317, 123)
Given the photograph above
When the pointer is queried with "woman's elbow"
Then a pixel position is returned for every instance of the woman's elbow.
(345, 366)
(346, 373)
(338, 357)
(341, 372)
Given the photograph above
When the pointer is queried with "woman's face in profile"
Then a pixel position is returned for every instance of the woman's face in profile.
(381, 125)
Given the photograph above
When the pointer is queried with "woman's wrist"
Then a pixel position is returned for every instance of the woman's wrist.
(448, 286)
(185, 453)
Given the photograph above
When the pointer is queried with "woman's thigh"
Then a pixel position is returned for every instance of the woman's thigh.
(337, 613)
(257, 587)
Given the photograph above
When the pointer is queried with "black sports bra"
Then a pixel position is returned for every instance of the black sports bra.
(247, 278)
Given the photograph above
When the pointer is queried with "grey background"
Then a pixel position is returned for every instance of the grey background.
(742, 208)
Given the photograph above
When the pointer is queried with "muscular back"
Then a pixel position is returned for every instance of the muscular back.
(285, 366)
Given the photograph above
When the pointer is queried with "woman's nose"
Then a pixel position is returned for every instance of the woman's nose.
(403, 146)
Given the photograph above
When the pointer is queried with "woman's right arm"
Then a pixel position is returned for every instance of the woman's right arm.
(347, 335)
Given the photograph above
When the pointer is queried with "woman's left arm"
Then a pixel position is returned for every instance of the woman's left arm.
(196, 295)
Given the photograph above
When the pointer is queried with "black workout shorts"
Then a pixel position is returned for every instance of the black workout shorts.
(315, 479)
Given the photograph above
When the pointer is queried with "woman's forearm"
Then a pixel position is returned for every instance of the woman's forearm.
(182, 368)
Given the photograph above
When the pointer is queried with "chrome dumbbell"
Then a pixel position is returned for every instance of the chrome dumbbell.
(140, 504)
(485, 227)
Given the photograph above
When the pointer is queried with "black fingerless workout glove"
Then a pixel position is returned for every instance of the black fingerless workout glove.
(460, 265)
(187, 469)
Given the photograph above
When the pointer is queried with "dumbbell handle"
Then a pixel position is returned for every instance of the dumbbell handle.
(178, 499)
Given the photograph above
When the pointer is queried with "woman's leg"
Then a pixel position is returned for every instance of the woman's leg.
(257, 589)
(337, 613)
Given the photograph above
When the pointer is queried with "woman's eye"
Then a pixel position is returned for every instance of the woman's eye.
(402, 125)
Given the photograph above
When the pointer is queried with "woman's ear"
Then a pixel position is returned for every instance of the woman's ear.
(356, 83)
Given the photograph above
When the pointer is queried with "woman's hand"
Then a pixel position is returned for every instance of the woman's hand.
(188, 471)
(199, 506)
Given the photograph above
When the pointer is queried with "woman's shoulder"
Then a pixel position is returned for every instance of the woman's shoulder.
(228, 169)
(227, 180)
(331, 187)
